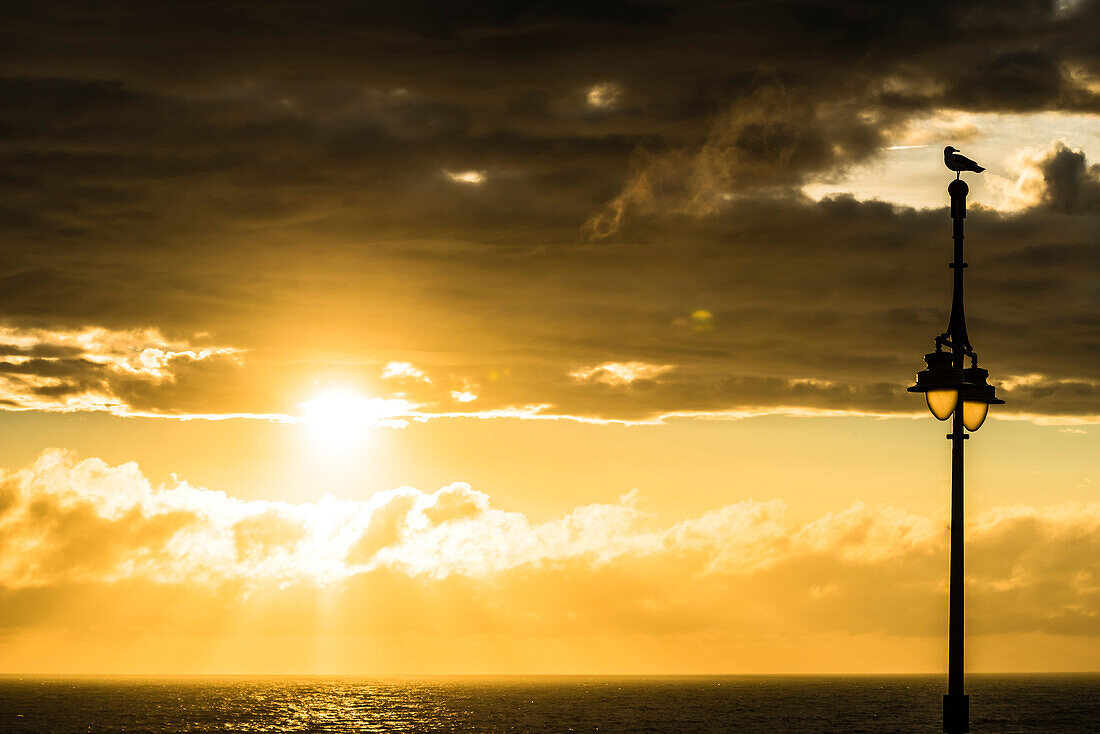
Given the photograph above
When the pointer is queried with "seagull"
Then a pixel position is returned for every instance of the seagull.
(959, 163)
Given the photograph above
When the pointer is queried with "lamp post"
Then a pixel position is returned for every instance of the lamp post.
(963, 395)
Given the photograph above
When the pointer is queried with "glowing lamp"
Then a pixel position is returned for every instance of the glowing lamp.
(977, 398)
(974, 414)
(942, 402)
(940, 384)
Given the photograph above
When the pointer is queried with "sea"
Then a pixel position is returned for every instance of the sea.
(1001, 704)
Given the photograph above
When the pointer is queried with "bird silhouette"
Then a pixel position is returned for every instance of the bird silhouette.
(959, 163)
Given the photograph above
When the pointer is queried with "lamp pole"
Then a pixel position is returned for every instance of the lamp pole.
(961, 394)
(956, 704)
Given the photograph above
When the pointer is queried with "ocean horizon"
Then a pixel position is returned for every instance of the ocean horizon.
(1053, 703)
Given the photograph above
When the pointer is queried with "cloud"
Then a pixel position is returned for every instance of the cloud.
(771, 137)
(1071, 184)
(97, 369)
(757, 306)
(930, 130)
(1058, 178)
(466, 177)
(403, 370)
(603, 96)
(291, 198)
(69, 526)
(1018, 79)
(620, 373)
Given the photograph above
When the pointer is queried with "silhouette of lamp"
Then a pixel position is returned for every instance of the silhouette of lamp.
(977, 398)
(946, 384)
(940, 384)
(943, 386)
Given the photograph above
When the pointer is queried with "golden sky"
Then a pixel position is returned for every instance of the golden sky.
(478, 338)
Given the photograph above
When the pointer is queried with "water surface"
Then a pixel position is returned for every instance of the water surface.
(1051, 704)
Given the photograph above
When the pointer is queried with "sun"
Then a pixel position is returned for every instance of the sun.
(342, 419)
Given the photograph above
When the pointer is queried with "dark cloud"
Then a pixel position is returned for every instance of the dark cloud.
(1072, 186)
(1018, 80)
(818, 305)
(122, 372)
(277, 174)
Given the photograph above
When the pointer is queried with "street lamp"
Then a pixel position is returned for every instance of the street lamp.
(963, 395)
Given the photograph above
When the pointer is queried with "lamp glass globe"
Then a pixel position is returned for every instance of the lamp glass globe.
(942, 402)
(974, 414)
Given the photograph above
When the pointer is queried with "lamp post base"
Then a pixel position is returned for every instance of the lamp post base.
(956, 713)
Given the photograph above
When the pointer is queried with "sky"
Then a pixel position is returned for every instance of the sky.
(559, 337)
